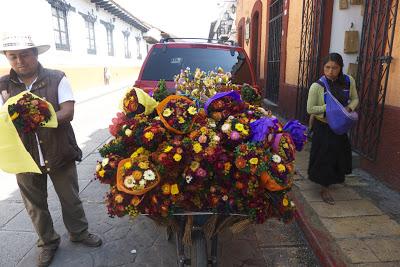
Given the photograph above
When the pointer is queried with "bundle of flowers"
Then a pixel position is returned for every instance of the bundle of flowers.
(202, 85)
(106, 170)
(114, 146)
(136, 175)
(29, 113)
(207, 149)
(235, 130)
(131, 105)
(251, 158)
(170, 157)
(283, 146)
(223, 105)
(177, 113)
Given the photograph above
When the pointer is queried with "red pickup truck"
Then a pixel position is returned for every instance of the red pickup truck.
(166, 59)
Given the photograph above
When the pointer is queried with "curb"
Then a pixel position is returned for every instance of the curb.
(319, 239)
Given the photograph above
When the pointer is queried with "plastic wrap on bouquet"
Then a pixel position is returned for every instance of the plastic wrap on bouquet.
(137, 101)
(136, 176)
(14, 158)
(177, 113)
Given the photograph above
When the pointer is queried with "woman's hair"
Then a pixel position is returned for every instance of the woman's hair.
(337, 58)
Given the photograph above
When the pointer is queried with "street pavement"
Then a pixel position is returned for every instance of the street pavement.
(128, 242)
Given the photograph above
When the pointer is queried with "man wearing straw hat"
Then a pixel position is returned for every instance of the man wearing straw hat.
(54, 150)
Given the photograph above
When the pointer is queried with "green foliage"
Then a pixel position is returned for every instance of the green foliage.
(250, 94)
(161, 92)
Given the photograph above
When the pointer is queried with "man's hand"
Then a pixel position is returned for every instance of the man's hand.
(5, 95)
(66, 112)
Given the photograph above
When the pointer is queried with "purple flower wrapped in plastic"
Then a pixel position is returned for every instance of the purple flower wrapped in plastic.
(261, 128)
(298, 133)
(234, 94)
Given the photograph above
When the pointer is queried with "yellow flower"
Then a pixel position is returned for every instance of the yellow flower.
(239, 127)
(253, 161)
(194, 165)
(167, 112)
(285, 145)
(119, 198)
(197, 147)
(127, 165)
(177, 157)
(227, 166)
(245, 132)
(168, 149)
(174, 189)
(203, 130)
(138, 151)
(192, 110)
(149, 135)
(144, 165)
(101, 173)
(281, 168)
(285, 202)
(181, 120)
(14, 116)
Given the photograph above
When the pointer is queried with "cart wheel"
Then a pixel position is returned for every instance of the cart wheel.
(198, 250)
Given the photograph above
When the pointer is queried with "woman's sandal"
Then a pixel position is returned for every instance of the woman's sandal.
(327, 198)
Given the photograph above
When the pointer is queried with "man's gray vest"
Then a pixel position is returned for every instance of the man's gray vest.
(58, 145)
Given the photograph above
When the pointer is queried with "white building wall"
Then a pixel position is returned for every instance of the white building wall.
(341, 22)
(41, 28)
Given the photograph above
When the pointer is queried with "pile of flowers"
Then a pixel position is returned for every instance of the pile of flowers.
(206, 150)
(29, 113)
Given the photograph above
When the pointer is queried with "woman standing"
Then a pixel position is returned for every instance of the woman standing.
(330, 156)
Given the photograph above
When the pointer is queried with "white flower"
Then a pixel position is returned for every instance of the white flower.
(129, 181)
(217, 138)
(142, 182)
(225, 198)
(149, 175)
(212, 124)
(105, 162)
(225, 127)
(231, 117)
(188, 179)
(98, 167)
(276, 158)
(128, 132)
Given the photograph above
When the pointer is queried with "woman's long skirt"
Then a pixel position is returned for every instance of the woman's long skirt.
(330, 156)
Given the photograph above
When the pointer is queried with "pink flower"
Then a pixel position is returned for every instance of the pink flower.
(201, 172)
(235, 135)
(202, 139)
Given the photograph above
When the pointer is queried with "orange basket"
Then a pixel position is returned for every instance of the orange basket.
(120, 178)
(160, 109)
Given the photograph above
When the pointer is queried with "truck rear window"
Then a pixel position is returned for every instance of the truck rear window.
(165, 63)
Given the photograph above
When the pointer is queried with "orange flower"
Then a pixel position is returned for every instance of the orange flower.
(135, 201)
(240, 163)
(166, 189)
(137, 175)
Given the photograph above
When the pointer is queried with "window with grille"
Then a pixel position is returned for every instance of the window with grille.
(60, 27)
(90, 37)
(110, 44)
(126, 45)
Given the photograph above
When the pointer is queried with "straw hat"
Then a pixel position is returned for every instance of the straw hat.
(12, 42)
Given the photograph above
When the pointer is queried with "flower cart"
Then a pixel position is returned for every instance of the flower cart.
(199, 161)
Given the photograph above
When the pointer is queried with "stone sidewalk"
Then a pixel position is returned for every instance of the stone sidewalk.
(361, 229)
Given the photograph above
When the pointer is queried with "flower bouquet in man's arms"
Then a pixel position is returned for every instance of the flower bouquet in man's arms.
(30, 112)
